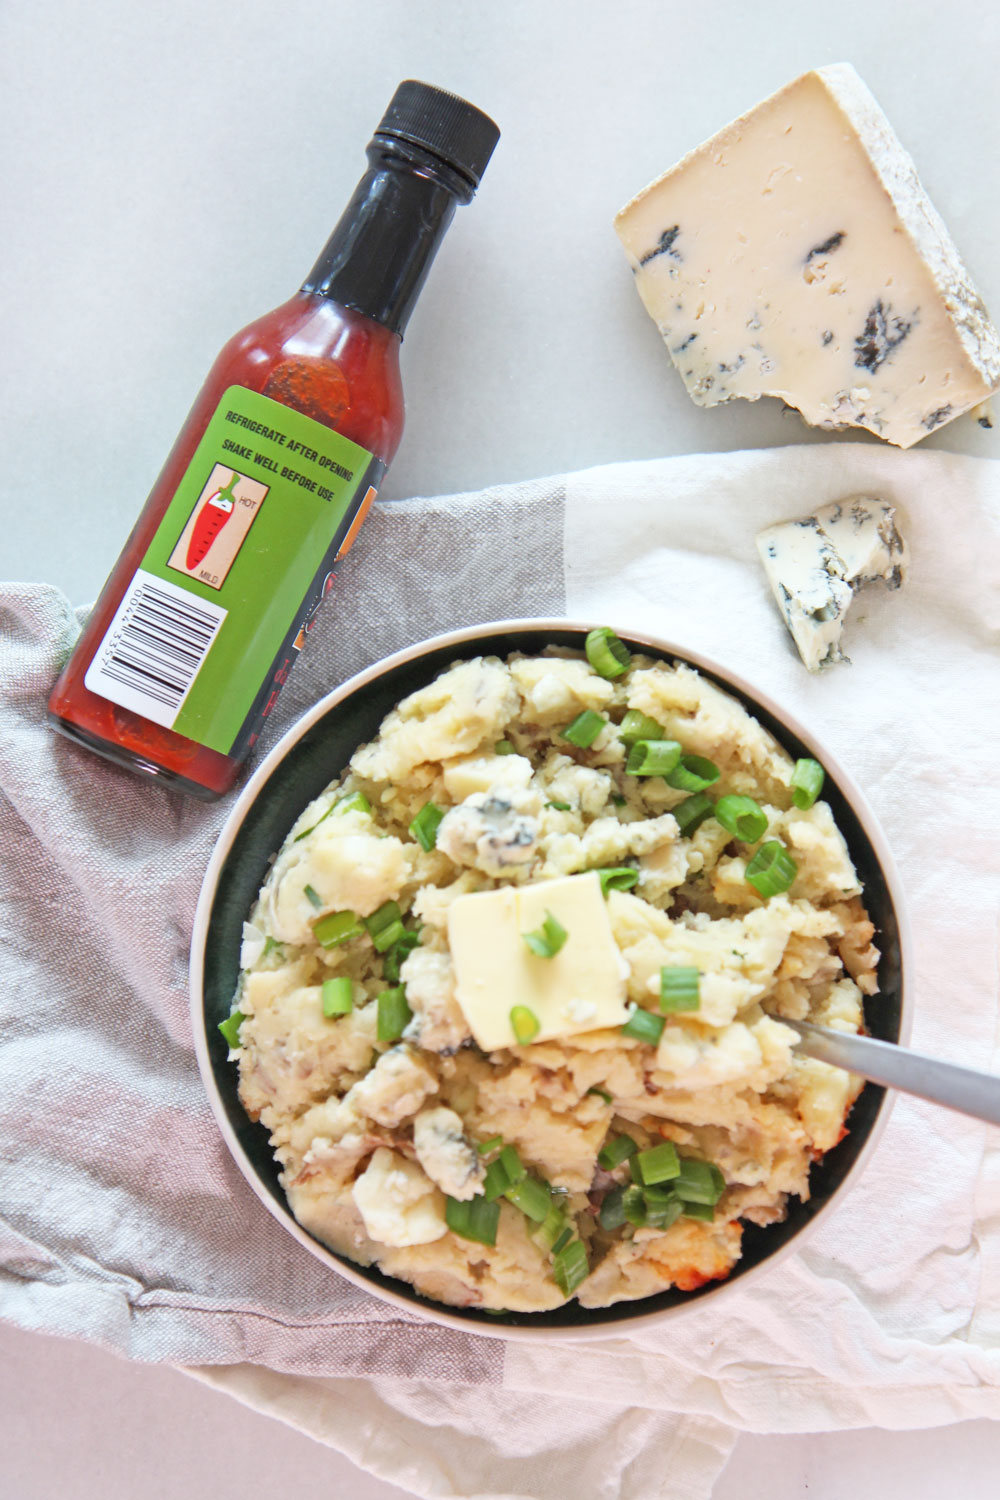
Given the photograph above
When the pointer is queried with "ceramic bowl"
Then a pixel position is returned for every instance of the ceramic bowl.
(318, 748)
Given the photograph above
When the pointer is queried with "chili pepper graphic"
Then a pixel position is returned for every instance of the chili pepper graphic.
(211, 518)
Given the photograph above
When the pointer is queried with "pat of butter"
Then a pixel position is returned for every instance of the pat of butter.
(582, 988)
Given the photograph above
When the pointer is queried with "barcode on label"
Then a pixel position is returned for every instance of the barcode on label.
(154, 648)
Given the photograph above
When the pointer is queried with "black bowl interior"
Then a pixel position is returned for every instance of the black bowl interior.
(320, 755)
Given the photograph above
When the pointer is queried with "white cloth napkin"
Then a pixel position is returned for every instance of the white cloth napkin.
(122, 1219)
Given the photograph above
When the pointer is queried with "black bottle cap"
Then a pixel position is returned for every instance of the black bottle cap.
(457, 132)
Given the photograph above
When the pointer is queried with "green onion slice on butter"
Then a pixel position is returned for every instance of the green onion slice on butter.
(524, 1024)
(546, 940)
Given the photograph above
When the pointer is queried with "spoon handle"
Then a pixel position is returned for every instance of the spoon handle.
(963, 1089)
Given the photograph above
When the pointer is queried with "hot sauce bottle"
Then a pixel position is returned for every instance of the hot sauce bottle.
(271, 477)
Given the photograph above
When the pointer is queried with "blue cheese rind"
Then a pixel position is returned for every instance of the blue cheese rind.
(816, 565)
(797, 255)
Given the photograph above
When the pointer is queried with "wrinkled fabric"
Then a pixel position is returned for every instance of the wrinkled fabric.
(122, 1218)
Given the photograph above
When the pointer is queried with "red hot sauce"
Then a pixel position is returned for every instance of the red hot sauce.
(271, 476)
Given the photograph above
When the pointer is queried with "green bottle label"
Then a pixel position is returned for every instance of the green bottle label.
(211, 623)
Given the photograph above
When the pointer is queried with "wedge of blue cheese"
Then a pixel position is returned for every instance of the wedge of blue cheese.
(797, 255)
(816, 565)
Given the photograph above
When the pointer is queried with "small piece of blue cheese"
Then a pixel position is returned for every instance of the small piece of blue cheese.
(797, 255)
(816, 565)
(582, 988)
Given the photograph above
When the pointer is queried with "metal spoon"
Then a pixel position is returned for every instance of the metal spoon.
(964, 1089)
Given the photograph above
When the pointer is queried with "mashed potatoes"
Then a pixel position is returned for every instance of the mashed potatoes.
(606, 1162)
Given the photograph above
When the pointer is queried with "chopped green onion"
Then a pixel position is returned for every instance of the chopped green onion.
(743, 817)
(601, 1094)
(496, 1182)
(546, 940)
(504, 747)
(504, 1172)
(271, 945)
(394, 1015)
(618, 799)
(385, 926)
(613, 1153)
(356, 802)
(230, 1027)
(560, 806)
(524, 1024)
(532, 1197)
(584, 729)
(338, 996)
(612, 1210)
(661, 1212)
(772, 869)
(617, 878)
(634, 1206)
(395, 956)
(637, 726)
(512, 1164)
(312, 896)
(679, 988)
(699, 1181)
(570, 1267)
(652, 757)
(490, 1145)
(424, 827)
(337, 927)
(657, 1164)
(608, 656)
(644, 1027)
(699, 1211)
(807, 782)
(552, 1229)
(692, 812)
(562, 1241)
(473, 1219)
(693, 773)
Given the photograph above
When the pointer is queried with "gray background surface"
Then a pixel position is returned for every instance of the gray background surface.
(170, 172)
